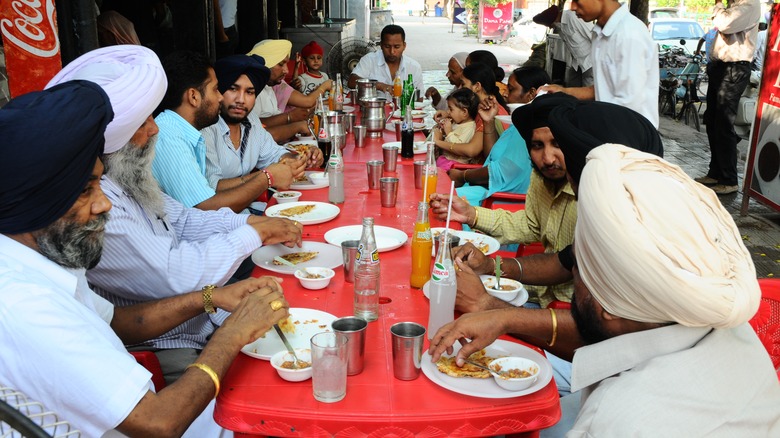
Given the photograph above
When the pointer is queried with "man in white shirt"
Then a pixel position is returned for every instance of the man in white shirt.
(385, 64)
(51, 229)
(625, 59)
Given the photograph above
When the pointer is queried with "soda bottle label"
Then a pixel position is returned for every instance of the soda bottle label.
(322, 134)
(404, 126)
(339, 98)
(440, 273)
(424, 235)
(375, 256)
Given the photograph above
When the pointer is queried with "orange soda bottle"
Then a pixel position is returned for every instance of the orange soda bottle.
(397, 86)
(422, 247)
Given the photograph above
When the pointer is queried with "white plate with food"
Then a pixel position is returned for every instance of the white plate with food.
(299, 328)
(387, 239)
(305, 212)
(488, 245)
(309, 142)
(309, 255)
(416, 114)
(348, 108)
(419, 147)
(418, 126)
(306, 183)
(487, 387)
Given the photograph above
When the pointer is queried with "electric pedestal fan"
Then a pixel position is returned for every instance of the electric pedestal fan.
(345, 55)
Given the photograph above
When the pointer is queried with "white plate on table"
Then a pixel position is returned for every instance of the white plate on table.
(329, 257)
(303, 140)
(307, 323)
(348, 108)
(488, 388)
(416, 114)
(418, 126)
(309, 184)
(521, 299)
(322, 212)
(478, 239)
(387, 239)
(419, 147)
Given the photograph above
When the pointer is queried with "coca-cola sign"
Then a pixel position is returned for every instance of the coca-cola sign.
(28, 30)
(32, 46)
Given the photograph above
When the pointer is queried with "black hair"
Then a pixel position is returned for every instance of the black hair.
(489, 59)
(467, 100)
(184, 69)
(477, 72)
(531, 77)
(392, 29)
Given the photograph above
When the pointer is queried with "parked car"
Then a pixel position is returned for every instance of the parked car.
(676, 32)
(664, 13)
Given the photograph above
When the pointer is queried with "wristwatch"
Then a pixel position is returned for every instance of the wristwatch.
(208, 305)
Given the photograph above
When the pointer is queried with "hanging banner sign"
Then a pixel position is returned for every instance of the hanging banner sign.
(460, 16)
(763, 164)
(495, 22)
(32, 47)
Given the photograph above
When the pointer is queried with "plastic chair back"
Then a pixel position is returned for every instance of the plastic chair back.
(766, 321)
(150, 361)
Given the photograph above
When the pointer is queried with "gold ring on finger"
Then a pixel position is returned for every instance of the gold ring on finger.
(296, 223)
(276, 305)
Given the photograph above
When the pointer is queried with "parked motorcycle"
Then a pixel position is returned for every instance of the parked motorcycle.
(746, 111)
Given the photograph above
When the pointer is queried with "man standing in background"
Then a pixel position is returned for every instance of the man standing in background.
(729, 74)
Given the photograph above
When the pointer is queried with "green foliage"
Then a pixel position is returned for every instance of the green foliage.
(691, 6)
(474, 4)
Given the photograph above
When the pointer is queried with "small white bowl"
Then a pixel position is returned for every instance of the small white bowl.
(315, 283)
(510, 288)
(289, 374)
(507, 364)
(318, 177)
(287, 196)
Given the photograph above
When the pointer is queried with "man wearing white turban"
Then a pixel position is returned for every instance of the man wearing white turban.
(283, 110)
(660, 310)
(154, 247)
(455, 68)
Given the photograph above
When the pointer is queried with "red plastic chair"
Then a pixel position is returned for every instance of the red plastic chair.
(149, 361)
(766, 322)
(559, 305)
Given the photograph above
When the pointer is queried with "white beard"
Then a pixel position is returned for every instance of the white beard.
(131, 168)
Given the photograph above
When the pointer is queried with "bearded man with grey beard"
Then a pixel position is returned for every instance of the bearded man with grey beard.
(155, 247)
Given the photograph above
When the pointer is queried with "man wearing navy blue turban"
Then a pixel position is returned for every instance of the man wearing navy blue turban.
(52, 216)
(240, 153)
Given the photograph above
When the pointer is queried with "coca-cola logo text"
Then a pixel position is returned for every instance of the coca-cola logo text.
(27, 29)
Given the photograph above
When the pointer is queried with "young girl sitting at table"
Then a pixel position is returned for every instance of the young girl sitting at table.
(457, 129)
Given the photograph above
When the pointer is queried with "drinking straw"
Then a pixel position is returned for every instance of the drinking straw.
(425, 184)
(449, 211)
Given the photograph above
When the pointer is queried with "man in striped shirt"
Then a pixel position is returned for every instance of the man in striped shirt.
(154, 247)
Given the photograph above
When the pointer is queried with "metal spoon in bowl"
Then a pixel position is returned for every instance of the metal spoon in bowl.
(287, 344)
(488, 369)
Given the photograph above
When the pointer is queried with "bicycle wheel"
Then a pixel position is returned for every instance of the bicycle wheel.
(668, 103)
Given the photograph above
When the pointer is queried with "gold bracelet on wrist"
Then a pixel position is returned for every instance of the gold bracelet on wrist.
(465, 181)
(476, 216)
(208, 305)
(554, 327)
(288, 118)
(208, 370)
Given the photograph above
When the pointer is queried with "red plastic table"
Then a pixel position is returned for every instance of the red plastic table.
(254, 400)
